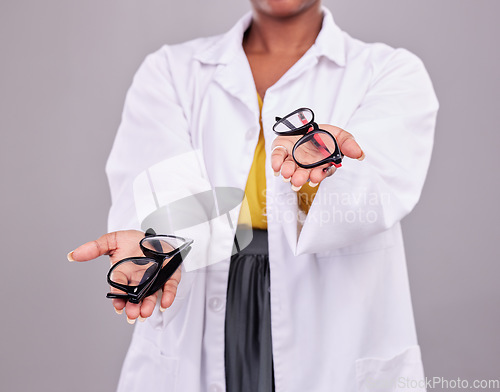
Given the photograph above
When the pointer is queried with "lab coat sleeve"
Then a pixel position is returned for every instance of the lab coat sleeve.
(153, 128)
(394, 125)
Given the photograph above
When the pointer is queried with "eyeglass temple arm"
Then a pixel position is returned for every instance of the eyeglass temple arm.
(168, 270)
(320, 144)
(316, 139)
(149, 232)
(117, 296)
(286, 122)
(323, 148)
(148, 273)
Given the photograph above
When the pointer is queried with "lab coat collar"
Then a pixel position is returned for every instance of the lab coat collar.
(228, 45)
(329, 43)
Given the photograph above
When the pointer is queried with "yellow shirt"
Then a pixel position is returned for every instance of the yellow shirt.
(255, 190)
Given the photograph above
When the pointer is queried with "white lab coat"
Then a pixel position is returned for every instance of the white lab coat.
(341, 313)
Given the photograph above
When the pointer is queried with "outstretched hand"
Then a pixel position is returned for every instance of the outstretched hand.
(282, 160)
(119, 245)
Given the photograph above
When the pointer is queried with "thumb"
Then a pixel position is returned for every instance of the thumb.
(93, 249)
(347, 144)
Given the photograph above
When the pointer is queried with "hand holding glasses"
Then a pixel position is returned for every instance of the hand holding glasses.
(134, 278)
(316, 147)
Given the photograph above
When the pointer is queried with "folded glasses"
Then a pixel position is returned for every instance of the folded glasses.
(135, 278)
(316, 147)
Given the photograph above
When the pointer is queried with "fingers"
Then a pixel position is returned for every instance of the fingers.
(281, 151)
(141, 310)
(347, 144)
(118, 243)
(170, 290)
(132, 311)
(321, 172)
(349, 147)
(299, 178)
(278, 156)
(93, 249)
(288, 167)
(145, 309)
(119, 304)
(148, 305)
(318, 174)
(314, 176)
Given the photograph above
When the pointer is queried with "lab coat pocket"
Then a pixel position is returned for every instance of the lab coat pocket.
(146, 368)
(402, 372)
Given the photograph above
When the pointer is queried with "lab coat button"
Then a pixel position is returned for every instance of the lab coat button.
(215, 304)
(215, 388)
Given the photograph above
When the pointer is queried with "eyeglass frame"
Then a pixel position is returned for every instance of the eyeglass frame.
(305, 130)
(135, 294)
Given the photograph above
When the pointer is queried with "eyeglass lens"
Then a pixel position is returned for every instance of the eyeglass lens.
(314, 148)
(133, 272)
(294, 121)
(161, 244)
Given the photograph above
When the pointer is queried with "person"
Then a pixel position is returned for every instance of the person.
(322, 301)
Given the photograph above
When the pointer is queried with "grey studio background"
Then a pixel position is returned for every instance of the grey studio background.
(65, 68)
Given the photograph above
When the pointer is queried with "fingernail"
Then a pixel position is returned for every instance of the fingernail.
(362, 156)
(296, 188)
(70, 256)
(287, 179)
(276, 174)
(130, 321)
(162, 309)
(118, 311)
(313, 184)
(142, 319)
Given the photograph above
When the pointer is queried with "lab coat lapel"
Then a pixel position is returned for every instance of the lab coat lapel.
(233, 71)
(237, 80)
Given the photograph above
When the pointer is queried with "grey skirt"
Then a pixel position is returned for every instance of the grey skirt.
(248, 346)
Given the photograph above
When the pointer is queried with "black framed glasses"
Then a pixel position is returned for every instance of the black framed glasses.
(135, 278)
(316, 147)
